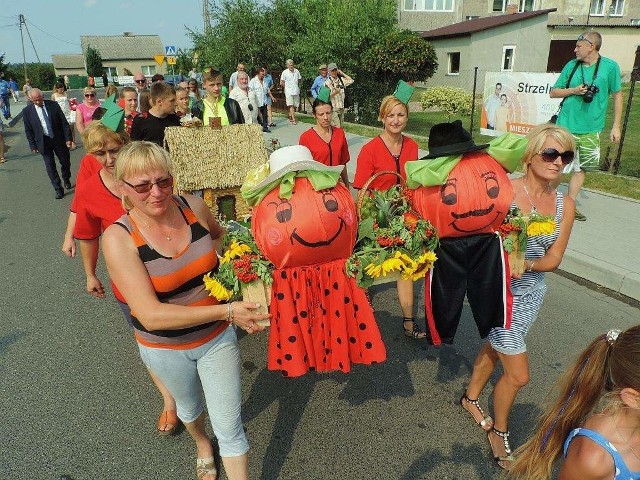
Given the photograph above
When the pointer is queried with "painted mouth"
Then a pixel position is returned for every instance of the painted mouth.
(321, 243)
(455, 227)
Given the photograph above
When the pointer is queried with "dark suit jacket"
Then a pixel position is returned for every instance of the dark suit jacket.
(33, 127)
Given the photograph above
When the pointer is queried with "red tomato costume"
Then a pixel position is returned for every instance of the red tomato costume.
(321, 320)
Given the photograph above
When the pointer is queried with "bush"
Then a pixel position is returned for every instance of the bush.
(450, 100)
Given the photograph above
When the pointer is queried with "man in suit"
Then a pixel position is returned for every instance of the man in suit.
(48, 132)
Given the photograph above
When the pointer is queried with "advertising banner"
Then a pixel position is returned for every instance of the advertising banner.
(516, 101)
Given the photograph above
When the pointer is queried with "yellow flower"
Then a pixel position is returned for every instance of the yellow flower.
(541, 227)
(373, 270)
(216, 289)
(422, 265)
(391, 264)
(235, 250)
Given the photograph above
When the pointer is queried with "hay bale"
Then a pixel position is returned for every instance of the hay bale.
(218, 159)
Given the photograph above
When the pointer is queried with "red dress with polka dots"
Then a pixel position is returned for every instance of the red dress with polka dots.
(321, 320)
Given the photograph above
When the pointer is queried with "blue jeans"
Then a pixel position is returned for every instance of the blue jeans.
(213, 368)
(6, 106)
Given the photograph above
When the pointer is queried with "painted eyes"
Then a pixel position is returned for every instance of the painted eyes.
(284, 210)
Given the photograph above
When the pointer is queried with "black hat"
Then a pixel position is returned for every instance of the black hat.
(451, 139)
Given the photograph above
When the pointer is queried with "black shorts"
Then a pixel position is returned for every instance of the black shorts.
(475, 266)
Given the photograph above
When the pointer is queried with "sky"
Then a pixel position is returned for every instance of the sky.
(56, 25)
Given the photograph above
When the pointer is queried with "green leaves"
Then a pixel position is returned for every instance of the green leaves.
(94, 62)
(450, 100)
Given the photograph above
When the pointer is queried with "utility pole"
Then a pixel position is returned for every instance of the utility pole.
(206, 17)
(24, 58)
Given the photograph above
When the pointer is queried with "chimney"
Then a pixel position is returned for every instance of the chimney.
(512, 8)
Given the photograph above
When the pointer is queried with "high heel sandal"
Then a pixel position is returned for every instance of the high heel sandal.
(501, 460)
(487, 422)
(414, 331)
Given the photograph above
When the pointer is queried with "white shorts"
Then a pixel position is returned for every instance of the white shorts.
(293, 100)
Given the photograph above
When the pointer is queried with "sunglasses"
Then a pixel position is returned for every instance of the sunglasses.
(146, 187)
(585, 39)
(141, 81)
(89, 94)
(550, 155)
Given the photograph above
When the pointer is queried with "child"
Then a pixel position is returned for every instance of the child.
(182, 106)
(150, 126)
(599, 443)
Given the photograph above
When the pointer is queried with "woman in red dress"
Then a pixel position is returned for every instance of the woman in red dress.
(328, 144)
(391, 150)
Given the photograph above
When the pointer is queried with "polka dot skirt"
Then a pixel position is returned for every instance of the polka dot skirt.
(321, 321)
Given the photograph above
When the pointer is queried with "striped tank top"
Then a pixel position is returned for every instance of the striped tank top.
(536, 248)
(178, 280)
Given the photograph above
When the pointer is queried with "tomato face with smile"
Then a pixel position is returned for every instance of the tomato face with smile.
(311, 227)
(474, 199)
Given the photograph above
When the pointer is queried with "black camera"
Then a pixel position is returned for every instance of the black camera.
(591, 91)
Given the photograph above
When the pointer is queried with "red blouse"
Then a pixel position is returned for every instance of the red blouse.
(375, 157)
(336, 152)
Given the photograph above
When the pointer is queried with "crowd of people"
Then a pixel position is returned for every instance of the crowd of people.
(158, 246)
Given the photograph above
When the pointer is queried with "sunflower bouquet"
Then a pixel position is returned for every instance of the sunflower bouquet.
(393, 241)
(517, 228)
(242, 270)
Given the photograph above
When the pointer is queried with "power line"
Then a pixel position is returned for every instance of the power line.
(52, 36)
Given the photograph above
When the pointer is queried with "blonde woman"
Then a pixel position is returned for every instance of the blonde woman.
(84, 110)
(59, 95)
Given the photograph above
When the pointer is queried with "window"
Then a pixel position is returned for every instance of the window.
(148, 70)
(508, 54)
(453, 63)
(616, 9)
(635, 21)
(429, 5)
(111, 71)
(226, 207)
(523, 5)
(597, 7)
(471, 17)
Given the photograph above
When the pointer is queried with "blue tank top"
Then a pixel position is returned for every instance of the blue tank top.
(622, 471)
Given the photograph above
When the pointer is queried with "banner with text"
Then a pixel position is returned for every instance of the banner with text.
(516, 101)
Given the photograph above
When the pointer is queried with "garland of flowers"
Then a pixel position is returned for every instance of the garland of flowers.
(517, 227)
(240, 265)
(391, 239)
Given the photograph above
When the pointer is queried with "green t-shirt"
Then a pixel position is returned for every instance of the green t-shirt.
(578, 116)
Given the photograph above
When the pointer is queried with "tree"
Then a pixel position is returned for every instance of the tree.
(184, 61)
(450, 100)
(94, 62)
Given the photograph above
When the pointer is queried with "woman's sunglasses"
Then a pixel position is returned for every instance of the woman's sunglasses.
(89, 95)
(146, 187)
(550, 155)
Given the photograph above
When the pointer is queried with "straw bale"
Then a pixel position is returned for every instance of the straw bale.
(207, 158)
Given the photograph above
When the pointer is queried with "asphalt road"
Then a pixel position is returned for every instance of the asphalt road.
(75, 399)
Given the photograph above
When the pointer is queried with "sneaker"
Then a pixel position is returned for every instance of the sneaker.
(580, 216)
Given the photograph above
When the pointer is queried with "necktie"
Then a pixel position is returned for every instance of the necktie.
(47, 121)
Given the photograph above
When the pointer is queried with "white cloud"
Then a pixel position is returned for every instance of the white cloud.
(90, 3)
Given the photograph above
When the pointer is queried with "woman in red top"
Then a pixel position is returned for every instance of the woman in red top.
(328, 144)
(391, 150)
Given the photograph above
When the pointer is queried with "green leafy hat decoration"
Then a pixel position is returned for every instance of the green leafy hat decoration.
(113, 118)
(324, 94)
(403, 92)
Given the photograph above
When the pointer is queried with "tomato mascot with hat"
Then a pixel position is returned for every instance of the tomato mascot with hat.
(305, 223)
(463, 190)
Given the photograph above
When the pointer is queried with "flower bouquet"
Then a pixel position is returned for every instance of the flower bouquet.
(393, 241)
(243, 273)
(515, 230)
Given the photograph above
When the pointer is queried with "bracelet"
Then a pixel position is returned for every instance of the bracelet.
(531, 264)
(229, 313)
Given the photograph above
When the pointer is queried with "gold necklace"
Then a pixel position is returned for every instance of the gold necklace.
(166, 235)
(627, 441)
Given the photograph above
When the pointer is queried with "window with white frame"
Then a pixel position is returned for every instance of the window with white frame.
(429, 5)
(597, 7)
(523, 5)
(508, 57)
(111, 71)
(617, 8)
(635, 21)
(148, 70)
(453, 67)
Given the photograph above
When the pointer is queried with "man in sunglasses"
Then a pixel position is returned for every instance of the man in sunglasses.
(585, 85)
(141, 84)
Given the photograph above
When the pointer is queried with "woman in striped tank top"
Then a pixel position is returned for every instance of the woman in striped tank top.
(157, 254)
(549, 148)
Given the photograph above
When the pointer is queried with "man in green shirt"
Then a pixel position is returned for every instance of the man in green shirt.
(591, 78)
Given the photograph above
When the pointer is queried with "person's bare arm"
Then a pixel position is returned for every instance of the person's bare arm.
(89, 250)
(69, 243)
(617, 116)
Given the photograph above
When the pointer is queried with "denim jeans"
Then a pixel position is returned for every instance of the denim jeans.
(213, 368)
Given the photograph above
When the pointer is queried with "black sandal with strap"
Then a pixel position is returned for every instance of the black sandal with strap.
(414, 331)
(501, 461)
(487, 422)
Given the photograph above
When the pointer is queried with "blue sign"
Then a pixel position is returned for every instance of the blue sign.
(170, 50)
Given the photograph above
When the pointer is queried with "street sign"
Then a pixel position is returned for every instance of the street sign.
(171, 60)
(170, 50)
(159, 59)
